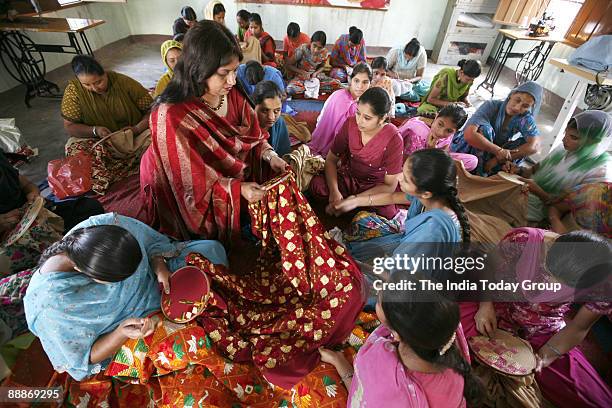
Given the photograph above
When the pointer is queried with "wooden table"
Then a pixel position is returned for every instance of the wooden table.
(23, 58)
(582, 77)
(530, 64)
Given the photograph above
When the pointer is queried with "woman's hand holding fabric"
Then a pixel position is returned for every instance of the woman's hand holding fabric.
(486, 320)
(32, 196)
(331, 357)
(278, 165)
(341, 364)
(101, 131)
(10, 219)
(136, 328)
(535, 188)
(346, 205)
(252, 192)
(334, 197)
(510, 167)
(504, 155)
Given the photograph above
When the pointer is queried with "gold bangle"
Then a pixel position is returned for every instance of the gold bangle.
(370, 200)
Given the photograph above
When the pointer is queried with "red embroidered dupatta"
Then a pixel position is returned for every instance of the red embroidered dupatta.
(305, 291)
(190, 176)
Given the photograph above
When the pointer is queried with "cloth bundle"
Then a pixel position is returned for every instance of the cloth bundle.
(304, 292)
(305, 165)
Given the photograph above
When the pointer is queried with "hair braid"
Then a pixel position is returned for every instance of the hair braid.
(63, 245)
(457, 206)
(473, 389)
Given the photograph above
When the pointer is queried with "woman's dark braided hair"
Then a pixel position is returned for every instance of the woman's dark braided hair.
(426, 322)
(107, 253)
(434, 170)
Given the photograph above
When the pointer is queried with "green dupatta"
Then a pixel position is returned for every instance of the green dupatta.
(452, 89)
(591, 163)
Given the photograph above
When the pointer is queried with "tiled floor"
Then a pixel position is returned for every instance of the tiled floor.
(42, 125)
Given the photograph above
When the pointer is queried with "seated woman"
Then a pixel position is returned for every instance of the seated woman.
(436, 215)
(215, 11)
(365, 157)
(106, 271)
(252, 73)
(170, 51)
(19, 255)
(415, 358)
(251, 49)
(294, 39)
(577, 260)
(96, 104)
(268, 46)
(185, 21)
(502, 131)
(417, 135)
(583, 159)
(268, 104)
(340, 106)
(308, 62)
(408, 64)
(348, 51)
(17, 194)
(204, 130)
(242, 19)
(450, 85)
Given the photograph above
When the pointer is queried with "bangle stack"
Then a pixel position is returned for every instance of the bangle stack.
(268, 155)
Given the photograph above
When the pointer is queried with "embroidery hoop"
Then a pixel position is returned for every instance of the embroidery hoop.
(188, 297)
(26, 221)
(517, 352)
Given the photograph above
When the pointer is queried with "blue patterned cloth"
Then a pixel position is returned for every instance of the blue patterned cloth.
(69, 311)
(422, 230)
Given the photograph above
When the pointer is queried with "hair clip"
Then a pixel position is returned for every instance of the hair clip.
(448, 345)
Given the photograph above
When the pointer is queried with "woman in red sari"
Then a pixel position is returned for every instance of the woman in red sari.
(365, 158)
(207, 147)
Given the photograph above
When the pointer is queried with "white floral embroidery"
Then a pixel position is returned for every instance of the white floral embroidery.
(239, 391)
(192, 344)
(162, 357)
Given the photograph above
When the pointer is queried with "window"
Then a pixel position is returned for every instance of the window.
(564, 12)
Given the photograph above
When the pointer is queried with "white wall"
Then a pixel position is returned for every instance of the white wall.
(116, 28)
(404, 19)
(396, 26)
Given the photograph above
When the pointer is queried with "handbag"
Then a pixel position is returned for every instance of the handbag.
(70, 176)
